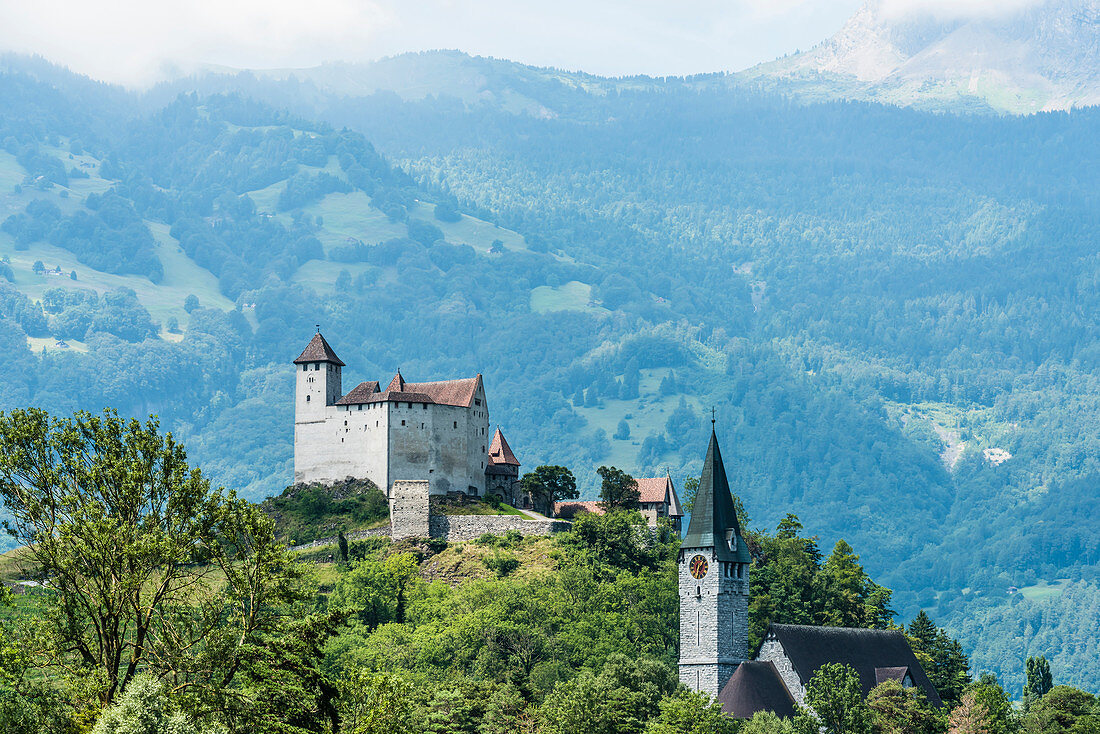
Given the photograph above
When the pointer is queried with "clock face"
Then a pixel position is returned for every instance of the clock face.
(698, 567)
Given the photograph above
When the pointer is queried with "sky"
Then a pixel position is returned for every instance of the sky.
(139, 42)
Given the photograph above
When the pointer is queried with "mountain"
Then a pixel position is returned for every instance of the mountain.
(1021, 58)
(893, 313)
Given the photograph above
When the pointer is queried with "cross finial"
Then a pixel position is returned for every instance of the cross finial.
(318, 328)
(712, 419)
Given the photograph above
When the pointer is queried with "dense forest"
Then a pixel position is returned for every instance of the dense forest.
(875, 301)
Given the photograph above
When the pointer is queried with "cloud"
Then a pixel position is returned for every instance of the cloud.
(953, 9)
(139, 42)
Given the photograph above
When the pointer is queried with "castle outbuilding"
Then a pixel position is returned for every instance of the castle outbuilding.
(714, 565)
(436, 432)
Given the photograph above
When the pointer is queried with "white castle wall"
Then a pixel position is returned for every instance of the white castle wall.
(444, 445)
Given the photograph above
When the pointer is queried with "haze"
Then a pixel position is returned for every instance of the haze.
(137, 42)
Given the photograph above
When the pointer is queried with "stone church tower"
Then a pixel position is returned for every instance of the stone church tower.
(714, 584)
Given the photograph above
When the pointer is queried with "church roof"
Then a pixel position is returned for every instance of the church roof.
(714, 514)
(871, 653)
(659, 490)
(755, 686)
(318, 350)
(500, 452)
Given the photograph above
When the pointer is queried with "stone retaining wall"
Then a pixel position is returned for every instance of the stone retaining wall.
(457, 528)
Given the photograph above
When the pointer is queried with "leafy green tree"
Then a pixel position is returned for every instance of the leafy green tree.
(766, 722)
(620, 700)
(548, 484)
(379, 704)
(687, 495)
(611, 539)
(622, 431)
(618, 490)
(687, 712)
(1062, 709)
(898, 710)
(149, 567)
(834, 702)
(988, 693)
(145, 709)
(1039, 680)
(190, 303)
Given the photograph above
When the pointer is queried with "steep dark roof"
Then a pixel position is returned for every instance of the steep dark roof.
(318, 350)
(500, 452)
(866, 651)
(755, 686)
(713, 514)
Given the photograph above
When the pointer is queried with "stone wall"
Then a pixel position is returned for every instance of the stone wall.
(410, 509)
(772, 651)
(457, 528)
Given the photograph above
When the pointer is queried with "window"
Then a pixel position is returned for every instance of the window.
(402, 422)
(477, 401)
(425, 406)
(305, 367)
(410, 406)
(360, 406)
(307, 398)
(456, 424)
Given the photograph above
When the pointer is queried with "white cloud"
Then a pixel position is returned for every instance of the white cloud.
(132, 41)
(954, 9)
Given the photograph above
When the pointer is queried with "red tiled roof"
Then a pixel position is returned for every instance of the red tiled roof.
(660, 490)
(318, 350)
(571, 507)
(362, 393)
(448, 392)
(500, 452)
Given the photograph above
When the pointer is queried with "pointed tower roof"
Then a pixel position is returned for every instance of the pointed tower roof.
(397, 384)
(500, 452)
(318, 350)
(713, 515)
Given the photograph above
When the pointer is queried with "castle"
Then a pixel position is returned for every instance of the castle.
(434, 432)
(714, 622)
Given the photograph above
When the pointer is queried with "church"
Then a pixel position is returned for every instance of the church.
(423, 431)
(714, 622)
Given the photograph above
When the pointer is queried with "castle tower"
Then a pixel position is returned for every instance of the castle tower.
(318, 380)
(714, 584)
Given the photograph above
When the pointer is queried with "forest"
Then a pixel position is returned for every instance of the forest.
(172, 607)
(855, 289)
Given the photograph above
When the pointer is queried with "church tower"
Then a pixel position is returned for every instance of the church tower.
(714, 584)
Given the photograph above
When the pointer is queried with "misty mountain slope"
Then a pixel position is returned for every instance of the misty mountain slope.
(1022, 58)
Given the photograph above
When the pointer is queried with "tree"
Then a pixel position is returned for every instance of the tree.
(379, 704)
(687, 712)
(898, 710)
(618, 490)
(622, 431)
(548, 484)
(969, 717)
(145, 709)
(687, 494)
(149, 567)
(1063, 709)
(38, 268)
(766, 722)
(1039, 680)
(190, 303)
(620, 700)
(835, 700)
(1000, 716)
(852, 599)
(941, 656)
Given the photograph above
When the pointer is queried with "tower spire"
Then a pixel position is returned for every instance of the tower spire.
(714, 516)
